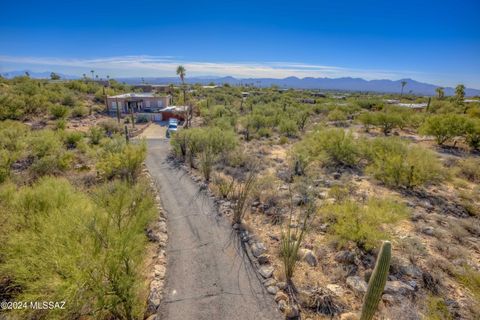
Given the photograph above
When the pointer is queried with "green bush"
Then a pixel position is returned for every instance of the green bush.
(364, 224)
(397, 164)
(60, 124)
(470, 169)
(79, 111)
(96, 134)
(58, 111)
(49, 155)
(472, 133)
(64, 245)
(437, 309)
(122, 160)
(337, 115)
(11, 107)
(72, 139)
(367, 119)
(288, 127)
(470, 278)
(110, 126)
(387, 121)
(330, 147)
(444, 127)
(69, 100)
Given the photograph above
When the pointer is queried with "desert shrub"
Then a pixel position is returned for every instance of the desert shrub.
(472, 133)
(470, 278)
(69, 100)
(60, 124)
(264, 133)
(387, 121)
(340, 192)
(223, 185)
(470, 169)
(49, 155)
(209, 143)
(72, 139)
(79, 111)
(444, 127)
(288, 127)
(397, 164)
(95, 134)
(364, 224)
(58, 111)
(11, 107)
(330, 147)
(13, 144)
(337, 115)
(367, 119)
(437, 309)
(85, 250)
(370, 104)
(122, 160)
(110, 126)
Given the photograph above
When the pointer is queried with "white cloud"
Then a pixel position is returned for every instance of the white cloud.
(151, 66)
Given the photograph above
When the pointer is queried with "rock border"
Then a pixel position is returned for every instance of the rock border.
(157, 233)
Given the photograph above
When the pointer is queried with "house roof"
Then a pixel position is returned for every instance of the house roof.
(412, 105)
(134, 95)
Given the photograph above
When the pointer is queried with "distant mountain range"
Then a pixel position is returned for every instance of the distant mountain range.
(338, 84)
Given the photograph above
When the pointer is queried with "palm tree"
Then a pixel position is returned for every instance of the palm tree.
(93, 73)
(181, 72)
(440, 92)
(84, 76)
(403, 83)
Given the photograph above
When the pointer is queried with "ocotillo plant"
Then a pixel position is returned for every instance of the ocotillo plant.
(377, 282)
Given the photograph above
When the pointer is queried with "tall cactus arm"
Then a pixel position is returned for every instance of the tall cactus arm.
(377, 282)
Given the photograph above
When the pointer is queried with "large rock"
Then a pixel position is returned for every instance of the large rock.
(345, 256)
(397, 288)
(266, 271)
(357, 284)
(308, 256)
(429, 231)
(272, 290)
(336, 289)
(258, 248)
(280, 295)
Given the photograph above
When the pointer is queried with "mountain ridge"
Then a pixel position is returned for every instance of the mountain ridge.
(320, 83)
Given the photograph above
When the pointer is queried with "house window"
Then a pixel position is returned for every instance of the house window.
(147, 104)
(114, 104)
(160, 103)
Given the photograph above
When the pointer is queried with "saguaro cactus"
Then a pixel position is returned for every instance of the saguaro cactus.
(377, 282)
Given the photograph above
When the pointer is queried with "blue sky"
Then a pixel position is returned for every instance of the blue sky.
(432, 41)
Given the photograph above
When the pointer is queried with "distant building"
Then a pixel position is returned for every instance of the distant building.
(319, 94)
(413, 106)
(158, 88)
(308, 100)
(138, 102)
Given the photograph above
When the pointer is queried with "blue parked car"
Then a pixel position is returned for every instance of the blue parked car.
(172, 127)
